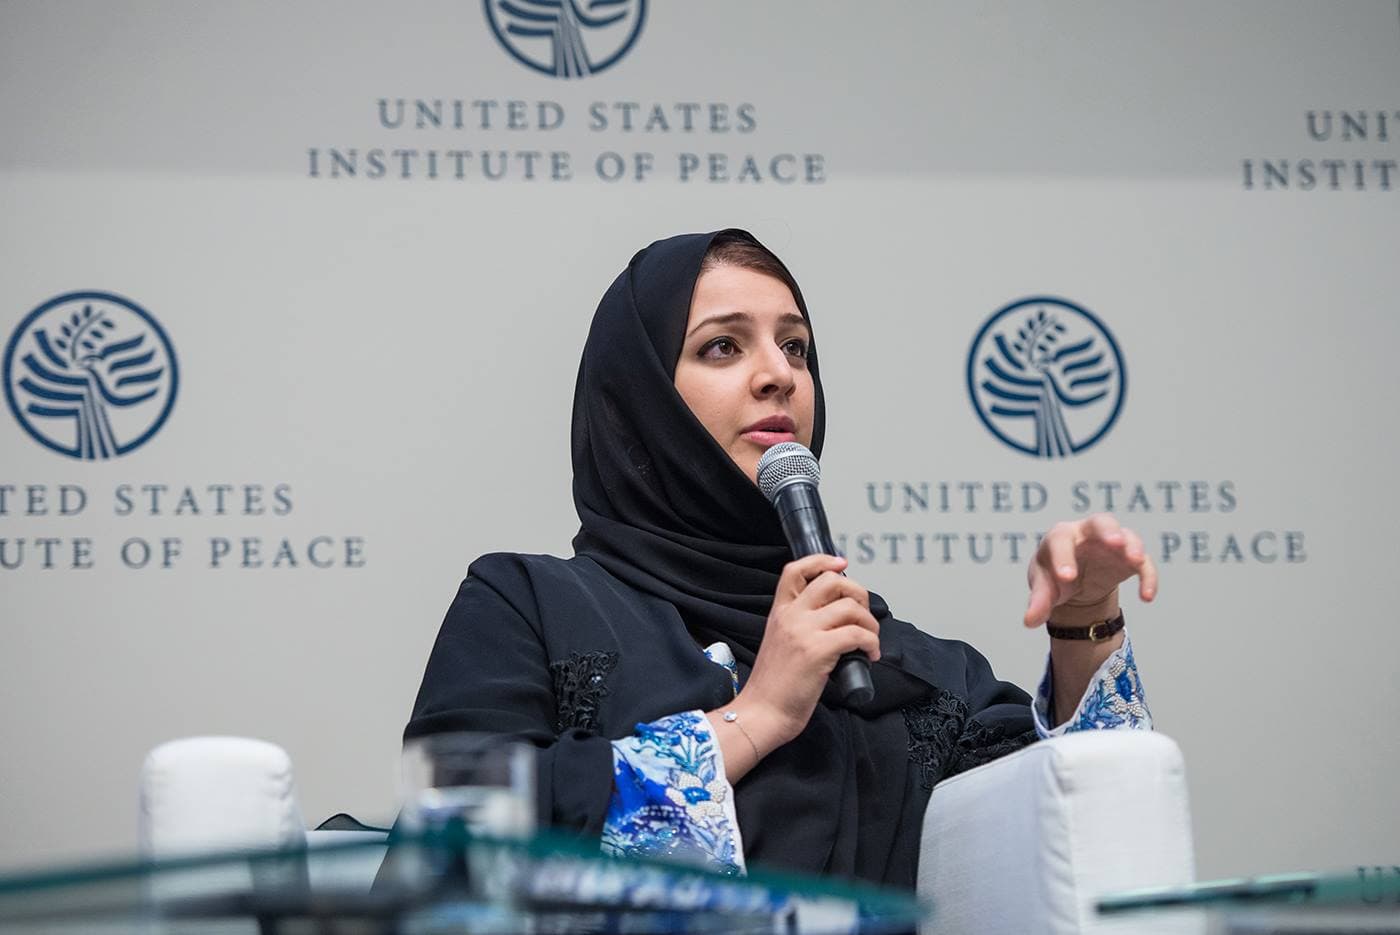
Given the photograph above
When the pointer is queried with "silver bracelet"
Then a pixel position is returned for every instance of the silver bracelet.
(732, 717)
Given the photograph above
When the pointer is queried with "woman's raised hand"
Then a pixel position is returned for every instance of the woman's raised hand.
(1082, 563)
(817, 615)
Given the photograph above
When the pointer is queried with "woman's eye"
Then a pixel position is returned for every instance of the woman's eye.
(796, 348)
(719, 348)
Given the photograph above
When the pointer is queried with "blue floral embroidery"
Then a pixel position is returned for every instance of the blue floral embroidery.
(670, 797)
(1114, 699)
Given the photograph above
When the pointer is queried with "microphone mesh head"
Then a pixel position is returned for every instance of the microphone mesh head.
(787, 463)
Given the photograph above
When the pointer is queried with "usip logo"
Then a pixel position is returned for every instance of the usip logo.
(567, 38)
(90, 375)
(1046, 377)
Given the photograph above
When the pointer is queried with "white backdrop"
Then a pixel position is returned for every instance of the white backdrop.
(383, 366)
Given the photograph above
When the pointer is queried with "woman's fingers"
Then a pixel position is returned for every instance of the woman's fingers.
(816, 616)
(1057, 553)
(1147, 578)
(1042, 599)
(1083, 560)
(1127, 555)
(796, 574)
(1052, 572)
(830, 586)
(1133, 547)
(1105, 528)
(844, 612)
(850, 638)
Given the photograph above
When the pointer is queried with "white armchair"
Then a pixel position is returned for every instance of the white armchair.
(1024, 844)
(1027, 843)
(228, 793)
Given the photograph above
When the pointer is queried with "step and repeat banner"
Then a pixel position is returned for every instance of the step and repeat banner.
(294, 294)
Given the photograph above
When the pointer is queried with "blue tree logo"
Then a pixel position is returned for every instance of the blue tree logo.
(90, 375)
(1046, 377)
(567, 38)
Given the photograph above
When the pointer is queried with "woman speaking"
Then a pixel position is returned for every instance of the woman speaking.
(674, 672)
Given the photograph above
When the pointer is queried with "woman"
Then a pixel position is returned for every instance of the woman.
(673, 673)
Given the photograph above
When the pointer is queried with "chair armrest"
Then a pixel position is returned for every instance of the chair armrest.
(207, 793)
(1028, 842)
(227, 793)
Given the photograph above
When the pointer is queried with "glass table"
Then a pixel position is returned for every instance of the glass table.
(1366, 899)
(436, 882)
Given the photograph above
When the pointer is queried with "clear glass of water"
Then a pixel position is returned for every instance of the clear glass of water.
(477, 783)
(485, 781)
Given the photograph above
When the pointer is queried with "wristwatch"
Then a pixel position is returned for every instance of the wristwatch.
(1096, 632)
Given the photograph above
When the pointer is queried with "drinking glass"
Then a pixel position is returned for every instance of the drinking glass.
(484, 782)
(458, 789)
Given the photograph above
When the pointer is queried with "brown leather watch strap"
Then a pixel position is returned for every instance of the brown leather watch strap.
(1095, 632)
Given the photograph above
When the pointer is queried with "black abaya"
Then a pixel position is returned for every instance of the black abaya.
(678, 549)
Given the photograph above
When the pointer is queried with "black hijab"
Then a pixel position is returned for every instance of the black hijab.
(665, 509)
(663, 506)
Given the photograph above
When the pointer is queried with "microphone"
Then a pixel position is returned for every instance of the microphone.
(788, 475)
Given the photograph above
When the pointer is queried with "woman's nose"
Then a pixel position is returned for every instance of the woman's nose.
(772, 373)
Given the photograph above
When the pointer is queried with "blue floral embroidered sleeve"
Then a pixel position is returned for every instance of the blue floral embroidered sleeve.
(671, 799)
(670, 796)
(1114, 699)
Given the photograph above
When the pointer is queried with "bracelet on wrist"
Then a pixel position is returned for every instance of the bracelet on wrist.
(732, 717)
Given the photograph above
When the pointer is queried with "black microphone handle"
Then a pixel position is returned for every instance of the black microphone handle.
(804, 523)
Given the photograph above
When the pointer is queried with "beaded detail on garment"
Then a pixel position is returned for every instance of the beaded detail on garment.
(934, 728)
(580, 684)
(981, 743)
(1114, 700)
(943, 741)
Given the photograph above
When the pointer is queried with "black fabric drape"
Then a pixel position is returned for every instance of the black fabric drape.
(667, 517)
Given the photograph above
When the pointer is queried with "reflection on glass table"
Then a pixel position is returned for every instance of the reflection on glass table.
(1364, 900)
(437, 882)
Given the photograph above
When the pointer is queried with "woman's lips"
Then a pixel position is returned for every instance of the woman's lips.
(771, 431)
(767, 437)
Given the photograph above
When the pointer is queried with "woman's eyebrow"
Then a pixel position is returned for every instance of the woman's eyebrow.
(790, 318)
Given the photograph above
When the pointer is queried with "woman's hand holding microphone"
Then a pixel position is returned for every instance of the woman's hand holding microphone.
(817, 616)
